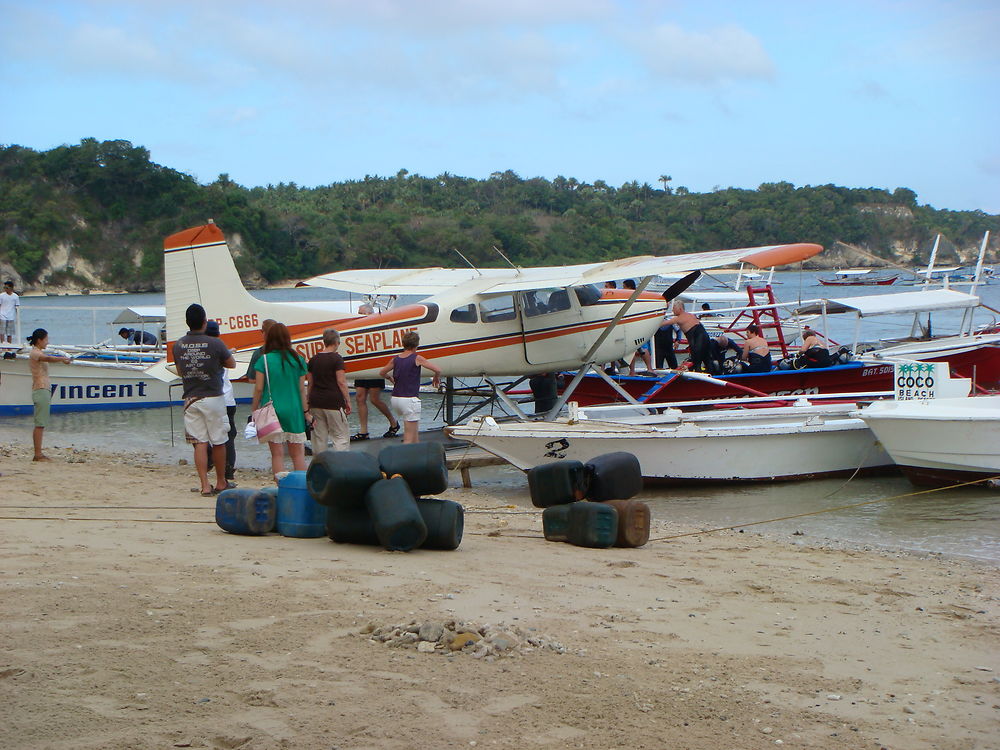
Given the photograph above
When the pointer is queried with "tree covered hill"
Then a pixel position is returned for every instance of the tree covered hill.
(94, 215)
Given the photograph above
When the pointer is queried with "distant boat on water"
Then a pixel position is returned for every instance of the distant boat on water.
(858, 277)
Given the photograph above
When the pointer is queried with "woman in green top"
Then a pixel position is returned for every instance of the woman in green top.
(283, 383)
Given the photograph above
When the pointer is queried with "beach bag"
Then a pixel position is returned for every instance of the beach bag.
(265, 419)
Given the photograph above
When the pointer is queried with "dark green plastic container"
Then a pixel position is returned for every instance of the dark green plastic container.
(592, 525)
(556, 483)
(342, 477)
(394, 513)
(445, 521)
(555, 522)
(350, 525)
(613, 476)
(422, 465)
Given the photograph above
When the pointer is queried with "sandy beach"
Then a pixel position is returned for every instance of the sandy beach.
(130, 620)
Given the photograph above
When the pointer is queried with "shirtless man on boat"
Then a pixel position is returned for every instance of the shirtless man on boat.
(696, 335)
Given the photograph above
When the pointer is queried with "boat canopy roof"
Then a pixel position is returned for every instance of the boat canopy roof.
(140, 315)
(926, 300)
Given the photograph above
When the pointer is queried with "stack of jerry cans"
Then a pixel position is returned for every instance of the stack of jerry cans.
(607, 517)
(376, 501)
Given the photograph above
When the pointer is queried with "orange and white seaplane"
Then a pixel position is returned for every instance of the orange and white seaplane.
(473, 322)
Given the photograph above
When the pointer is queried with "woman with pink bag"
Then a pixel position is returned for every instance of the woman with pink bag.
(283, 387)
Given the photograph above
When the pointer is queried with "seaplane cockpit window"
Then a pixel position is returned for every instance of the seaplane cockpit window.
(587, 295)
(542, 301)
(496, 309)
(465, 314)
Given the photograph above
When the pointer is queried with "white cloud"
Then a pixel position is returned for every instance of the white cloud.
(709, 58)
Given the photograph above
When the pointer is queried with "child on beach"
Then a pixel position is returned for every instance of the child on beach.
(405, 377)
(41, 388)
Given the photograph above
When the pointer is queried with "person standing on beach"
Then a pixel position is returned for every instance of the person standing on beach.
(405, 369)
(200, 360)
(264, 328)
(41, 387)
(212, 329)
(281, 379)
(329, 399)
(9, 302)
(370, 389)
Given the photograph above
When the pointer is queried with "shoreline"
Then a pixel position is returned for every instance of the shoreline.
(164, 631)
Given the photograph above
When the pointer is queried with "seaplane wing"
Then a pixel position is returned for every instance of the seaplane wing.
(430, 281)
(422, 281)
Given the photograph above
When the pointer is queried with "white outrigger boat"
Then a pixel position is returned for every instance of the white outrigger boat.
(807, 439)
(935, 431)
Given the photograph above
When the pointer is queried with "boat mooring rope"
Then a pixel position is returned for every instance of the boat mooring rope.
(826, 510)
(700, 532)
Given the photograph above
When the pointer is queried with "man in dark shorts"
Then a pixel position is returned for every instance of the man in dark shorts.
(370, 389)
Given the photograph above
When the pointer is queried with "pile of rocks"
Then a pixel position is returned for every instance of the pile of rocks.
(452, 637)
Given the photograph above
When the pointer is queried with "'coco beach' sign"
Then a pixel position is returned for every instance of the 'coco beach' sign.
(920, 380)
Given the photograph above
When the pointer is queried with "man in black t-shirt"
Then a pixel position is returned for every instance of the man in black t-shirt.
(329, 399)
(200, 359)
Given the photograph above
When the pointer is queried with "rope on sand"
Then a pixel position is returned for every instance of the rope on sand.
(825, 510)
(486, 533)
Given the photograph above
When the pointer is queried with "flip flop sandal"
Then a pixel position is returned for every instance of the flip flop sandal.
(359, 436)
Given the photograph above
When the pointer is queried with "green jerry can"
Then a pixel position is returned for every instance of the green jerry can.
(422, 465)
(342, 477)
(556, 483)
(394, 513)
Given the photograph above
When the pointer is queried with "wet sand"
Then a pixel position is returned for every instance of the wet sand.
(130, 631)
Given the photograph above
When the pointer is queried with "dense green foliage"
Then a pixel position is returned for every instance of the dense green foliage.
(113, 206)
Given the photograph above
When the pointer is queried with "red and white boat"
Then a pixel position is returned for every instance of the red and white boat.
(975, 356)
(858, 277)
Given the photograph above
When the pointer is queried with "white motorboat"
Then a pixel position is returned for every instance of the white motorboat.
(940, 441)
(801, 441)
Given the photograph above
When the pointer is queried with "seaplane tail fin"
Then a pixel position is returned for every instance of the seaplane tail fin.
(198, 267)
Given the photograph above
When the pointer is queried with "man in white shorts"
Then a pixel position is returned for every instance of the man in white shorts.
(200, 359)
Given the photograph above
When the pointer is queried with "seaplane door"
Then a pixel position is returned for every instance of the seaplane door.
(551, 324)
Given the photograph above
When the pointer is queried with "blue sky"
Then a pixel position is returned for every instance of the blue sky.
(713, 93)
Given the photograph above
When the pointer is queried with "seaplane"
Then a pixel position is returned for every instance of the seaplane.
(472, 322)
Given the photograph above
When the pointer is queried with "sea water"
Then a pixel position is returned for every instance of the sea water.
(962, 523)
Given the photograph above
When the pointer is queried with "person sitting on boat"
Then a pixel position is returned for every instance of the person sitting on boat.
(756, 351)
(133, 336)
(696, 335)
(814, 352)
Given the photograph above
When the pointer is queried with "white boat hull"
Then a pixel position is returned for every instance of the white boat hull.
(85, 386)
(942, 440)
(781, 445)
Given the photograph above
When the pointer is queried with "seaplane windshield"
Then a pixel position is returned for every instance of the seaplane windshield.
(497, 309)
(587, 295)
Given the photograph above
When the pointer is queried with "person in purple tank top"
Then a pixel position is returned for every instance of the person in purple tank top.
(404, 372)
